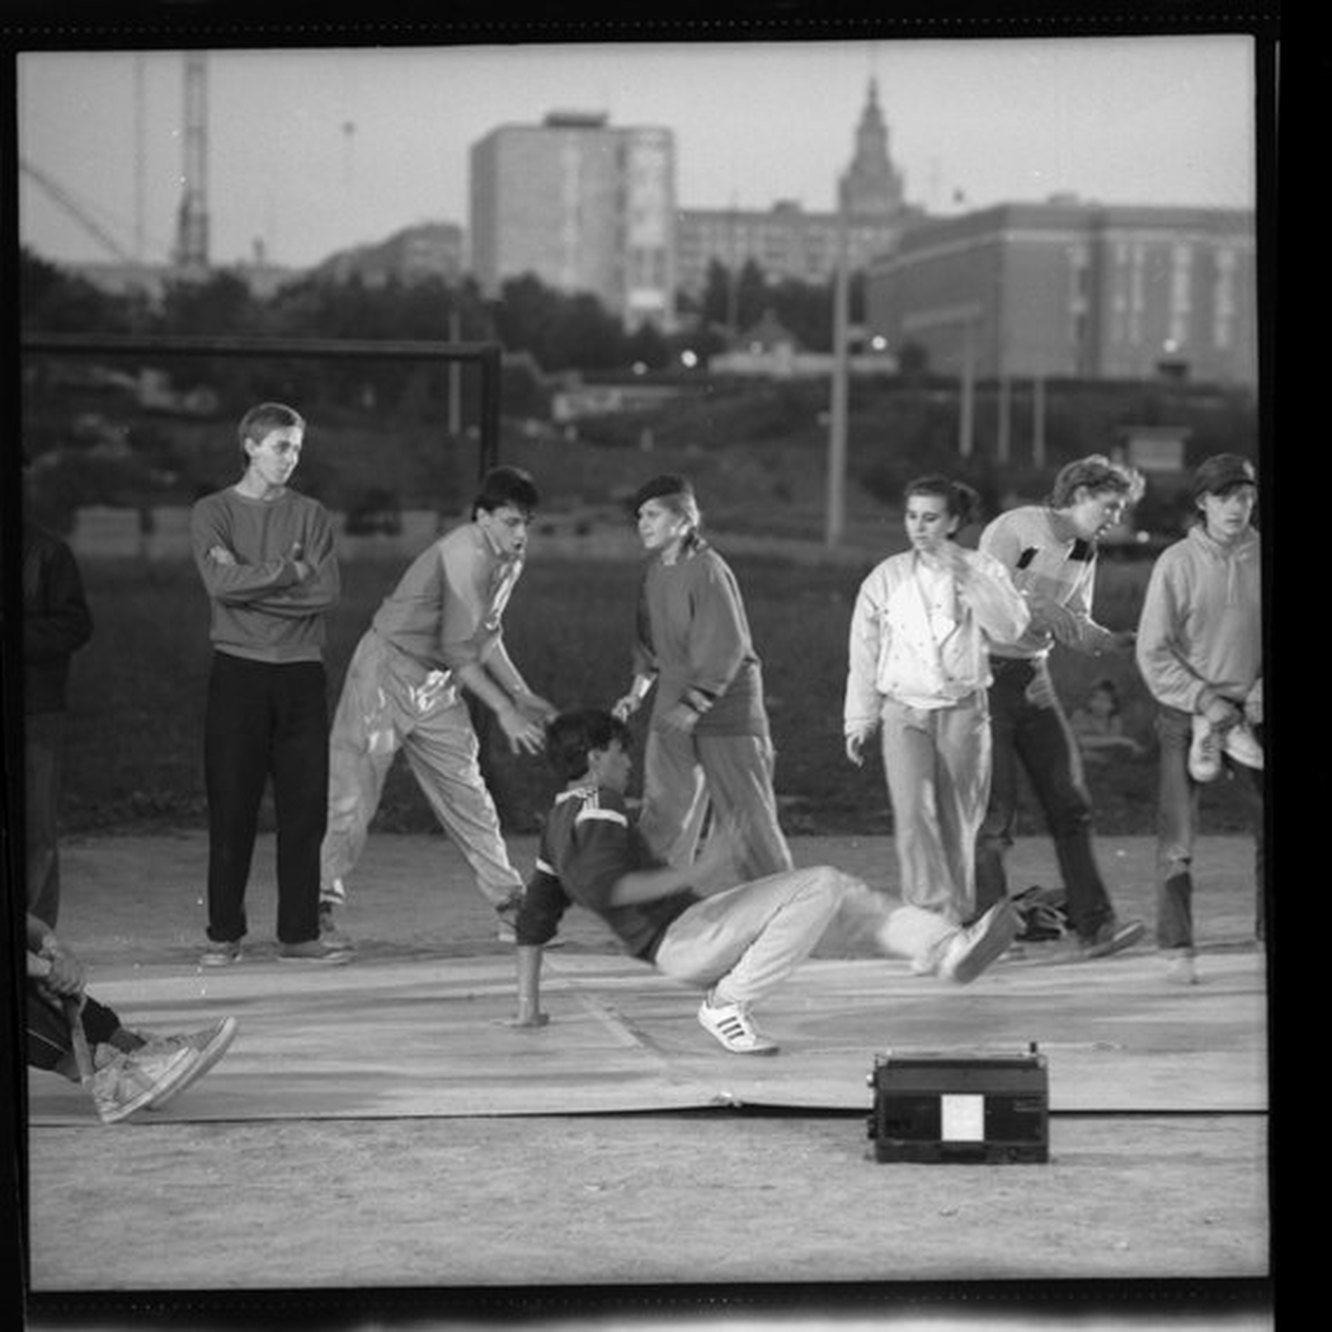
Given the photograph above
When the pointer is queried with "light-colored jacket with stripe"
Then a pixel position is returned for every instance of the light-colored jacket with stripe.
(893, 651)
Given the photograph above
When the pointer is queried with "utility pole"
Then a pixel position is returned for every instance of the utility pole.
(967, 391)
(837, 414)
(455, 377)
(1004, 449)
(1038, 421)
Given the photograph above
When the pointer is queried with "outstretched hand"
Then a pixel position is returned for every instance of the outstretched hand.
(626, 707)
(524, 734)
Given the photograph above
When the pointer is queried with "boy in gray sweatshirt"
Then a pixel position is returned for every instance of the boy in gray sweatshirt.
(1200, 651)
(265, 554)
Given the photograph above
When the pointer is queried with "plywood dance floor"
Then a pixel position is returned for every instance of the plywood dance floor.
(410, 1037)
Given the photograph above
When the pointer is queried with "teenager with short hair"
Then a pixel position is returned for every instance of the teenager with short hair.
(918, 668)
(1049, 551)
(439, 632)
(266, 557)
(737, 944)
(1200, 652)
(709, 744)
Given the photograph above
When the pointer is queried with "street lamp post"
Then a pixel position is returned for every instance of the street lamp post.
(837, 413)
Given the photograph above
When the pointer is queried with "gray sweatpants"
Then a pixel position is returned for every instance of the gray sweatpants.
(387, 707)
(744, 941)
(682, 773)
(937, 764)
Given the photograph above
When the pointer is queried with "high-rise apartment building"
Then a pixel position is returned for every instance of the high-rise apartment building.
(1066, 288)
(581, 205)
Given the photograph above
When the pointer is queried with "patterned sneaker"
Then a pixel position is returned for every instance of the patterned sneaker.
(221, 953)
(209, 1043)
(733, 1027)
(1204, 751)
(972, 948)
(130, 1082)
(1112, 937)
(328, 928)
(1243, 746)
(318, 952)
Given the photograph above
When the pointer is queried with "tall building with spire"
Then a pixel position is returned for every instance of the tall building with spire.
(784, 240)
(873, 185)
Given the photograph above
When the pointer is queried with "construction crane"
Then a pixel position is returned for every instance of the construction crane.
(75, 210)
(192, 220)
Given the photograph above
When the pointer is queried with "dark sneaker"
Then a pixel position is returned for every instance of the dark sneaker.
(328, 928)
(734, 1028)
(221, 953)
(209, 1043)
(130, 1082)
(1113, 937)
(974, 947)
(314, 951)
(1042, 914)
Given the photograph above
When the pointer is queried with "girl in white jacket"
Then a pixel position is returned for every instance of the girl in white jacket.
(919, 667)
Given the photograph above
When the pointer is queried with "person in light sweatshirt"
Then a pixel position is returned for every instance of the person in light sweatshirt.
(1200, 652)
(918, 667)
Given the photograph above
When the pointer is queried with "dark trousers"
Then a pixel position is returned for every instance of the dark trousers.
(265, 720)
(1028, 727)
(47, 1027)
(1177, 830)
(43, 740)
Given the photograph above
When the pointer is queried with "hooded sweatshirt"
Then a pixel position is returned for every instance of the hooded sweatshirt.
(1201, 623)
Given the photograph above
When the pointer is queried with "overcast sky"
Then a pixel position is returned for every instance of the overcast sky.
(312, 151)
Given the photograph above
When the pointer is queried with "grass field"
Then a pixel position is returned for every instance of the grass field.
(133, 757)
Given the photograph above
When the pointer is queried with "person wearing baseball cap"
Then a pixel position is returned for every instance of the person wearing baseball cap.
(708, 744)
(1200, 651)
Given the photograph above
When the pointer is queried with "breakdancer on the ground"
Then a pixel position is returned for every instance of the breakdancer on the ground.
(737, 944)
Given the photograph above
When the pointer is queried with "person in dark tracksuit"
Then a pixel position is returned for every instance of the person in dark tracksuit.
(56, 624)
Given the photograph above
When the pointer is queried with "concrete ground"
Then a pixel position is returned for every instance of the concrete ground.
(378, 1139)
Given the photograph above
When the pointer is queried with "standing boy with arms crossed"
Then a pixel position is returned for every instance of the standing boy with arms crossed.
(266, 557)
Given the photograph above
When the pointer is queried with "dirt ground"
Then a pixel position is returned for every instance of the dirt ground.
(631, 1217)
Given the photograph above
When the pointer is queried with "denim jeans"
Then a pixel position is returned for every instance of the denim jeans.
(265, 719)
(1177, 827)
(1028, 727)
